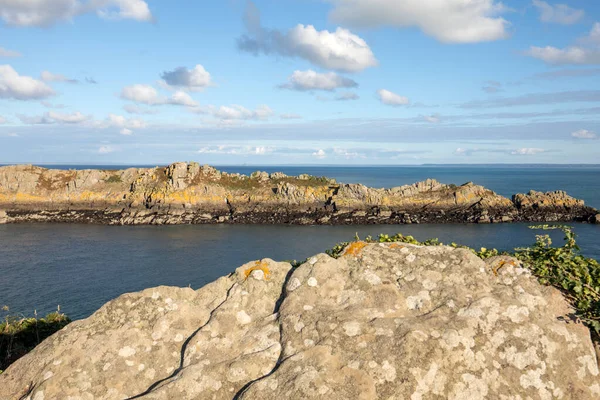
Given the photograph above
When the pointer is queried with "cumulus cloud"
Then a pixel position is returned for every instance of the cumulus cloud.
(19, 87)
(52, 117)
(194, 79)
(119, 121)
(126, 131)
(449, 21)
(391, 99)
(50, 77)
(43, 13)
(311, 80)
(319, 153)
(584, 134)
(146, 94)
(588, 53)
(2, 120)
(346, 96)
(340, 50)
(9, 53)
(559, 13)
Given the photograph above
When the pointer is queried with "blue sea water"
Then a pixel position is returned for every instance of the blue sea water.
(80, 267)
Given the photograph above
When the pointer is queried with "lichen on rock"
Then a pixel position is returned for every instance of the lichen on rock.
(396, 321)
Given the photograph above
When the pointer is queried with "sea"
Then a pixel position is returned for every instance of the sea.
(80, 267)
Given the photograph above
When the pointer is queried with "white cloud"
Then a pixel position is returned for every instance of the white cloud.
(559, 13)
(43, 13)
(311, 80)
(53, 117)
(290, 116)
(50, 77)
(584, 134)
(105, 149)
(391, 99)
(19, 87)
(340, 50)
(195, 79)
(147, 94)
(119, 121)
(237, 150)
(236, 112)
(9, 53)
(126, 131)
(449, 21)
(569, 55)
(527, 151)
(73, 118)
(2, 120)
(181, 98)
(586, 54)
(319, 154)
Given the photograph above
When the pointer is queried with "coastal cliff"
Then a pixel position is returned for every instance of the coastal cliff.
(187, 193)
(382, 321)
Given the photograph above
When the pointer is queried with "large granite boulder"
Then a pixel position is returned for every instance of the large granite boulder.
(384, 321)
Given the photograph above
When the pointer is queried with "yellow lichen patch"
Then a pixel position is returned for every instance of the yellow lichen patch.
(259, 266)
(502, 264)
(355, 248)
(396, 246)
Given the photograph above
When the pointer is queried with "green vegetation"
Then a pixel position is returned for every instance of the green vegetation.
(19, 335)
(564, 267)
(114, 179)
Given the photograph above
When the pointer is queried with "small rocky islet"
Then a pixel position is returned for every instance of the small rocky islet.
(381, 321)
(188, 193)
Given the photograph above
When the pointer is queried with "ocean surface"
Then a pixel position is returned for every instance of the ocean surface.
(80, 267)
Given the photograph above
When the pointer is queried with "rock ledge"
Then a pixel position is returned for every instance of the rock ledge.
(384, 321)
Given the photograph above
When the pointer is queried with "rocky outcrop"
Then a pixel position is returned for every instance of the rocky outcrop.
(187, 193)
(383, 321)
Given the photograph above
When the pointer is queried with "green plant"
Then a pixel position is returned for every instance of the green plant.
(19, 334)
(577, 276)
(114, 179)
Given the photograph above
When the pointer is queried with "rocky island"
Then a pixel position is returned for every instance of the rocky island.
(188, 193)
(381, 321)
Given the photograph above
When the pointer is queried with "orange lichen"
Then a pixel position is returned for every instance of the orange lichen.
(355, 248)
(502, 264)
(259, 266)
(396, 246)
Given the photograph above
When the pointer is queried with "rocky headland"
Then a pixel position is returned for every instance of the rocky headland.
(383, 321)
(188, 193)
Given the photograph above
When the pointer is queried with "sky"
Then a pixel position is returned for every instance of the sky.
(273, 82)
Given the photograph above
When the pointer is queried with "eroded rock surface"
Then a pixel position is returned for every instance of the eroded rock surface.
(384, 321)
(187, 193)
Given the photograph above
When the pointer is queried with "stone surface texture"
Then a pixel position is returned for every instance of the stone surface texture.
(384, 321)
(188, 193)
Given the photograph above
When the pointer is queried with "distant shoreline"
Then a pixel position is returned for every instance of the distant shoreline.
(187, 193)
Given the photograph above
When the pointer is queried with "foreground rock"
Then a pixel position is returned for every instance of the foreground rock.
(187, 193)
(389, 321)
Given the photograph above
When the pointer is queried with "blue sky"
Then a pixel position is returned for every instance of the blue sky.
(299, 81)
